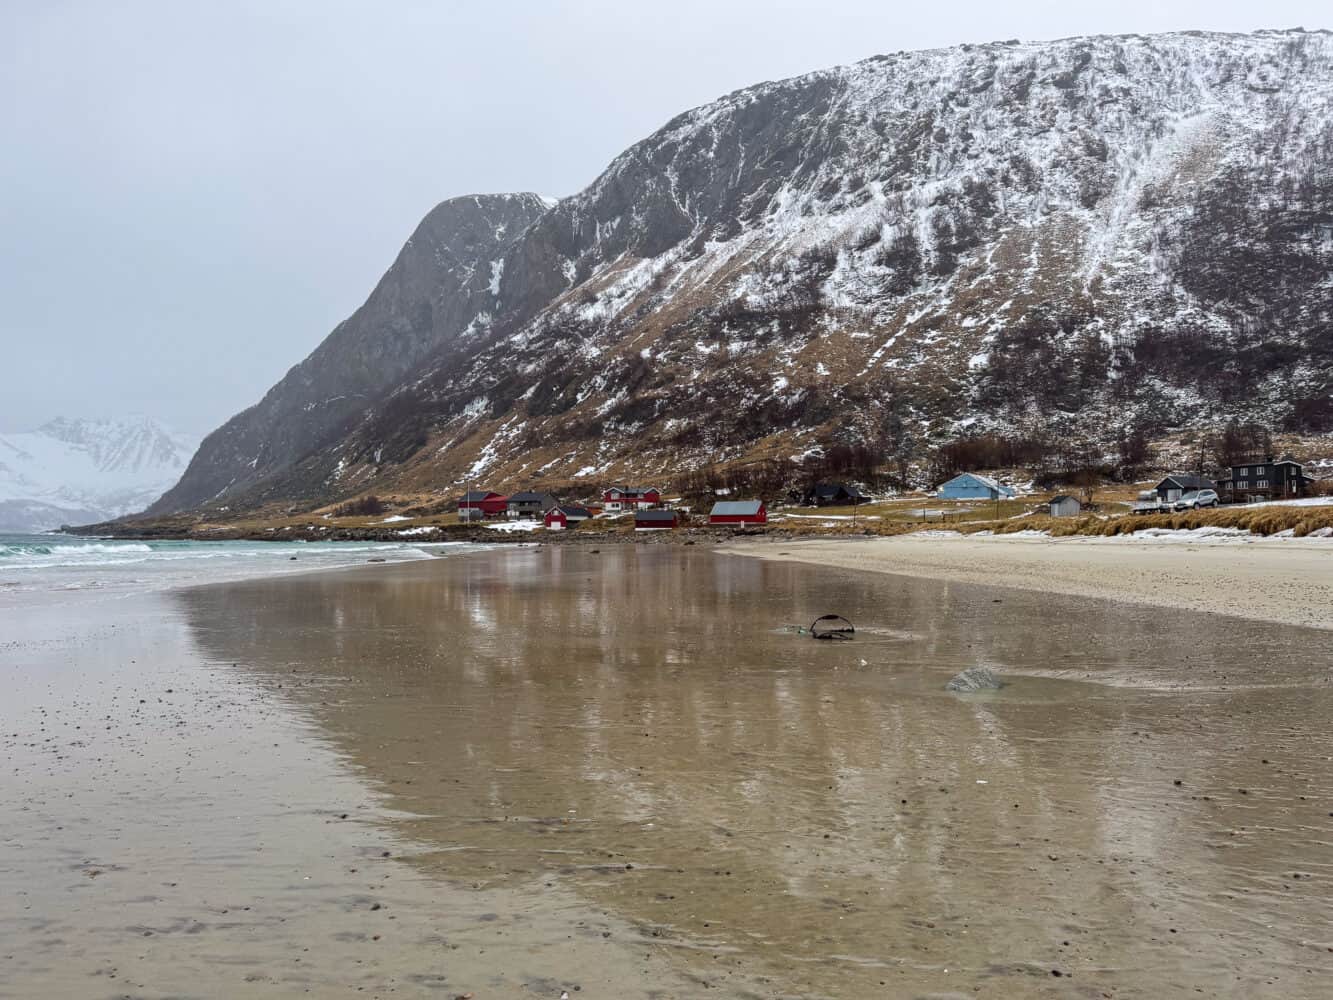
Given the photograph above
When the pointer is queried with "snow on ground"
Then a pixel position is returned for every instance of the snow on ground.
(1208, 535)
(394, 519)
(515, 526)
(1302, 502)
(832, 517)
(425, 529)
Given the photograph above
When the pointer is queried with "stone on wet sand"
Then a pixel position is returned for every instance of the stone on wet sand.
(974, 679)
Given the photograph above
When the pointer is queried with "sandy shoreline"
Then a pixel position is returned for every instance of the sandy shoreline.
(1284, 581)
(616, 774)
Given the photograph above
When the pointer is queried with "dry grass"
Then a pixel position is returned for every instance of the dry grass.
(1300, 521)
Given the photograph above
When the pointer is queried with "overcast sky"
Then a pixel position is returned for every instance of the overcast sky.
(192, 196)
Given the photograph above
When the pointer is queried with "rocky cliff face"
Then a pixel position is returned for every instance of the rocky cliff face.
(1088, 238)
(425, 300)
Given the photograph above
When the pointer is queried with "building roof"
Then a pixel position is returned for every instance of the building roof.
(664, 516)
(569, 512)
(527, 496)
(1188, 481)
(1064, 496)
(833, 489)
(987, 481)
(983, 480)
(475, 496)
(633, 491)
(736, 508)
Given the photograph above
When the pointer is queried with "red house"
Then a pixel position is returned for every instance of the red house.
(738, 512)
(475, 504)
(656, 520)
(630, 498)
(560, 518)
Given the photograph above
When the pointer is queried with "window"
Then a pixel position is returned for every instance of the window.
(1243, 471)
(1261, 483)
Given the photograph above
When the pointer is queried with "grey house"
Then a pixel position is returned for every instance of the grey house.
(1263, 479)
(1173, 486)
(530, 506)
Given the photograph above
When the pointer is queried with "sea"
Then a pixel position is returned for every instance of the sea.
(55, 568)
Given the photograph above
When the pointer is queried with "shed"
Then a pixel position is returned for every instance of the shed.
(1065, 506)
(559, 518)
(738, 512)
(1173, 486)
(528, 505)
(655, 520)
(973, 486)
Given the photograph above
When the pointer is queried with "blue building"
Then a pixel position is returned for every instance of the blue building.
(970, 486)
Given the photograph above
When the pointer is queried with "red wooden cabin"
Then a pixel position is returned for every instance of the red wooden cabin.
(738, 512)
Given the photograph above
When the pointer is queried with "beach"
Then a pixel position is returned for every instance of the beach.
(627, 773)
(1285, 580)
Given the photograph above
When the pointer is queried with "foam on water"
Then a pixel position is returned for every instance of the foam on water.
(35, 565)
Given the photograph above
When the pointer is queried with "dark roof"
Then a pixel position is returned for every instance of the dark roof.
(833, 489)
(527, 496)
(473, 496)
(1064, 496)
(583, 512)
(734, 508)
(665, 516)
(1188, 481)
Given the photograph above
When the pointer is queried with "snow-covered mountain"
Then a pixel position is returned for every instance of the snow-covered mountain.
(81, 471)
(1087, 240)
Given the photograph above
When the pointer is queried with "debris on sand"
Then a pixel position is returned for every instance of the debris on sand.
(975, 679)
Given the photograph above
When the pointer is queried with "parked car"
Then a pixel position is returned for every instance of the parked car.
(1195, 499)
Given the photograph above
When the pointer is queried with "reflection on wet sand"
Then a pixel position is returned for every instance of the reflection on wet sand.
(1143, 811)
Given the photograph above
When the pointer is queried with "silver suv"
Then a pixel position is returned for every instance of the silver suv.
(1195, 499)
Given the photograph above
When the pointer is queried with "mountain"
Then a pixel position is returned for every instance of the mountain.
(76, 471)
(1085, 240)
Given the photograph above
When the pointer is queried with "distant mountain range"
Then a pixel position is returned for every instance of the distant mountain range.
(1089, 238)
(79, 471)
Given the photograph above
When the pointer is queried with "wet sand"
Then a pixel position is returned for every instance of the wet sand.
(617, 774)
(1274, 580)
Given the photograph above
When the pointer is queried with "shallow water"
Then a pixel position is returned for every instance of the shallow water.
(619, 770)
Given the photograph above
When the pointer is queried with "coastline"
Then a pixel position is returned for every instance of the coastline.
(1283, 581)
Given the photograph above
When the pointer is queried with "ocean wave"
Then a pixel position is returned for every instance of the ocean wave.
(55, 565)
(10, 550)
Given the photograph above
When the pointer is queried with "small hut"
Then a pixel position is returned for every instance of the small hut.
(1065, 506)
(560, 518)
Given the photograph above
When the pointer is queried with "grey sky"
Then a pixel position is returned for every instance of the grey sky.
(192, 196)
